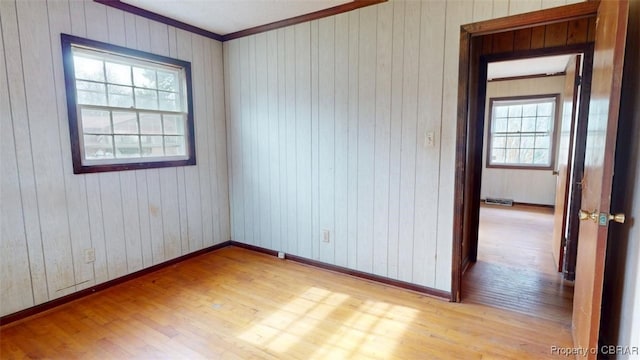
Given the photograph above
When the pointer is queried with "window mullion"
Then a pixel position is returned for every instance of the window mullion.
(104, 84)
(114, 108)
(139, 133)
(164, 146)
(112, 134)
(155, 72)
(133, 87)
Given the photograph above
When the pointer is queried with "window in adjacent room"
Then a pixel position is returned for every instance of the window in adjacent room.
(128, 109)
(521, 132)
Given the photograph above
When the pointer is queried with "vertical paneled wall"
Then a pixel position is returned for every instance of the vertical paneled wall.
(133, 219)
(326, 131)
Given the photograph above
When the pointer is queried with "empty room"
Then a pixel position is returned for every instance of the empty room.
(306, 179)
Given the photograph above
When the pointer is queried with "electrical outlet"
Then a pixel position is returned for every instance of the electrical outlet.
(89, 255)
(326, 235)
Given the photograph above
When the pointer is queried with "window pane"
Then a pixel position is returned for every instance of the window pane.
(513, 142)
(515, 111)
(497, 156)
(91, 93)
(527, 142)
(168, 101)
(543, 124)
(529, 110)
(88, 69)
(98, 147)
(118, 73)
(127, 146)
(95, 121)
(174, 145)
(541, 157)
(120, 96)
(499, 141)
(152, 146)
(125, 122)
(515, 124)
(512, 156)
(173, 124)
(168, 81)
(521, 131)
(529, 124)
(144, 78)
(500, 111)
(526, 156)
(542, 142)
(146, 99)
(150, 124)
(500, 125)
(545, 109)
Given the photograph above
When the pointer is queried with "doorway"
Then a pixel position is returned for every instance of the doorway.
(530, 115)
(599, 152)
(557, 32)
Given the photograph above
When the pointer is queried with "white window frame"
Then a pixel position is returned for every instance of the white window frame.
(492, 133)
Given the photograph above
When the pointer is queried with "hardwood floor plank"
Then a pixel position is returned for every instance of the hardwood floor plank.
(515, 268)
(237, 304)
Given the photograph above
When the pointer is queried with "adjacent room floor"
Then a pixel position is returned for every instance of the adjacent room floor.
(515, 268)
(238, 304)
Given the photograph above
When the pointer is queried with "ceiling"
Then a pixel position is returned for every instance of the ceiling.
(228, 16)
(546, 65)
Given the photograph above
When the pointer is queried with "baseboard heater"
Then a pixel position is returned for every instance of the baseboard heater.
(496, 201)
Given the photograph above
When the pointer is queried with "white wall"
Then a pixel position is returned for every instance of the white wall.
(326, 131)
(133, 219)
(527, 186)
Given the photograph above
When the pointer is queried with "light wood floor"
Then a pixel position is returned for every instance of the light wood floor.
(238, 304)
(515, 268)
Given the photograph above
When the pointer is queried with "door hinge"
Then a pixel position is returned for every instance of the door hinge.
(579, 80)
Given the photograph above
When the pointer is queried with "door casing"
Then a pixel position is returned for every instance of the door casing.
(469, 131)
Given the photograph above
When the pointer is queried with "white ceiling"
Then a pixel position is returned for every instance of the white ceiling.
(533, 66)
(227, 16)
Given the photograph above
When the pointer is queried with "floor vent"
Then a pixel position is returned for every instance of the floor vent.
(503, 202)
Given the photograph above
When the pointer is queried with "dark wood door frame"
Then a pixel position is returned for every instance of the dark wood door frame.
(577, 170)
(470, 126)
(577, 86)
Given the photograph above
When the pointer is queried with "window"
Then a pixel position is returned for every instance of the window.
(521, 132)
(127, 109)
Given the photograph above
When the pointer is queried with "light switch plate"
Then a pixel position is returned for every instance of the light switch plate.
(429, 139)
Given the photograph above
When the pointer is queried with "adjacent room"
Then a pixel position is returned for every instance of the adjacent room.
(308, 179)
(517, 263)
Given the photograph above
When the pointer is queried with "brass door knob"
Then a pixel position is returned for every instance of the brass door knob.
(601, 218)
(586, 215)
(619, 218)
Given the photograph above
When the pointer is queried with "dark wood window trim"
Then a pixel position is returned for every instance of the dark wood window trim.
(67, 42)
(553, 139)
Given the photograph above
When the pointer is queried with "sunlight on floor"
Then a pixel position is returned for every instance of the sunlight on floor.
(369, 328)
